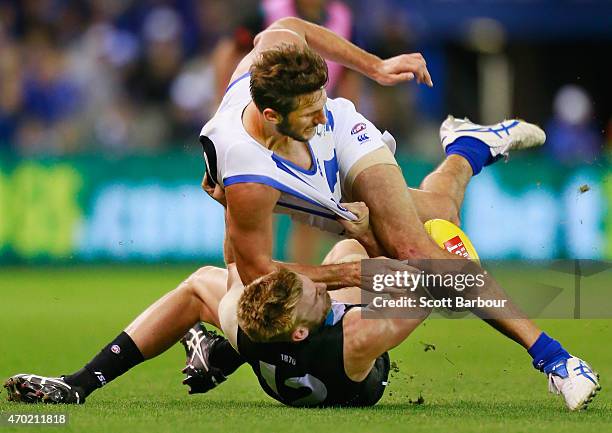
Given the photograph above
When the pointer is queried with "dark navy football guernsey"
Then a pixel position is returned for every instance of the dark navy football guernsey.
(311, 372)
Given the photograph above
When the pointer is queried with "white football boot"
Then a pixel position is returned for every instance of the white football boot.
(502, 137)
(575, 380)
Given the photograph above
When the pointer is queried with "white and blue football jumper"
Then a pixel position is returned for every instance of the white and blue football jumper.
(311, 196)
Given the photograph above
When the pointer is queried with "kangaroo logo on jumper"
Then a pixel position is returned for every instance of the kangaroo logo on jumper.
(358, 128)
(363, 137)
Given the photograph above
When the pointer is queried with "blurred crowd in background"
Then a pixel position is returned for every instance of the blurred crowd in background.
(138, 76)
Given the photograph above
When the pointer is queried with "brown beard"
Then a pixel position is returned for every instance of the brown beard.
(284, 128)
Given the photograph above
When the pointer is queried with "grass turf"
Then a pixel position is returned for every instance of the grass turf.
(55, 319)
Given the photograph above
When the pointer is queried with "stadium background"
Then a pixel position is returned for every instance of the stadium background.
(101, 211)
(100, 111)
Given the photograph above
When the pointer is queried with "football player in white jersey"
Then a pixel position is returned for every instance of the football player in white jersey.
(277, 143)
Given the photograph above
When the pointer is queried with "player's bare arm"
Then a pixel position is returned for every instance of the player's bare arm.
(228, 316)
(292, 30)
(249, 222)
(365, 339)
(249, 226)
(369, 332)
(218, 194)
(404, 67)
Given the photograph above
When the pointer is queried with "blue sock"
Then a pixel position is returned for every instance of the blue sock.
(474, 150)
(546, 352)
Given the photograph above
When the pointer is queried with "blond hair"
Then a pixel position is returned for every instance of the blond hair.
(267, 307)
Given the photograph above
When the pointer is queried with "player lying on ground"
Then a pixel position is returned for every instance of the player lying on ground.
(277, 143)
(330, 355)
(305, 349)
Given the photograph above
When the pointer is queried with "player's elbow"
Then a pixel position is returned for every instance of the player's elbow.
(198, 282)
(249, 271)
(285, 30)
(293, 24)
(450, 211)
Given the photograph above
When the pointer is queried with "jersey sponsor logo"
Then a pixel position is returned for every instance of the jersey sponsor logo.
(358, 128)
(363, 137)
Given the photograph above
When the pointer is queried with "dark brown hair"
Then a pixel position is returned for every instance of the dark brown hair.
(280, 74)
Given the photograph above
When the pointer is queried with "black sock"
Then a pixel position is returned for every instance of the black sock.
(112, 361)
(225, 358)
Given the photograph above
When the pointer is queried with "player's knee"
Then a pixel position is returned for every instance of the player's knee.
(346, 250)
(196, 282)
(451, 212)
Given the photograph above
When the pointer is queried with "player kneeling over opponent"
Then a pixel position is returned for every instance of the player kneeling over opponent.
(306, 347)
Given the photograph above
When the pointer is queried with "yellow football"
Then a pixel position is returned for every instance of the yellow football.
(450, 237)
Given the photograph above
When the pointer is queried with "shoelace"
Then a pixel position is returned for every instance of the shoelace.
(194, 344)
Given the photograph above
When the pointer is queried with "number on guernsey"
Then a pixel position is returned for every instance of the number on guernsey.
(318, 390)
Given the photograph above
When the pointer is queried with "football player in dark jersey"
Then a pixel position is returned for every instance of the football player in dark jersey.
(305, 348)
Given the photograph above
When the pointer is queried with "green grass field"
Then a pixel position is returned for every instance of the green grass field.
(54, 320)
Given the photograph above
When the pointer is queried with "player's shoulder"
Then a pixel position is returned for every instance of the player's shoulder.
(225, 129)
(236, 97)
(359, 324)
(222, 125)
(340, 105)
(234, 152)
(344, 113)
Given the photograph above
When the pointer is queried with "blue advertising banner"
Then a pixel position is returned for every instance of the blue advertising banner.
(150, 209)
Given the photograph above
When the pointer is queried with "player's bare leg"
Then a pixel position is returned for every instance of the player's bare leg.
(196, 299)
(347, 250)
(441, 192)
(155, 330)
(469, 147)
(397, 227)
(395, 222)
(396, 216)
